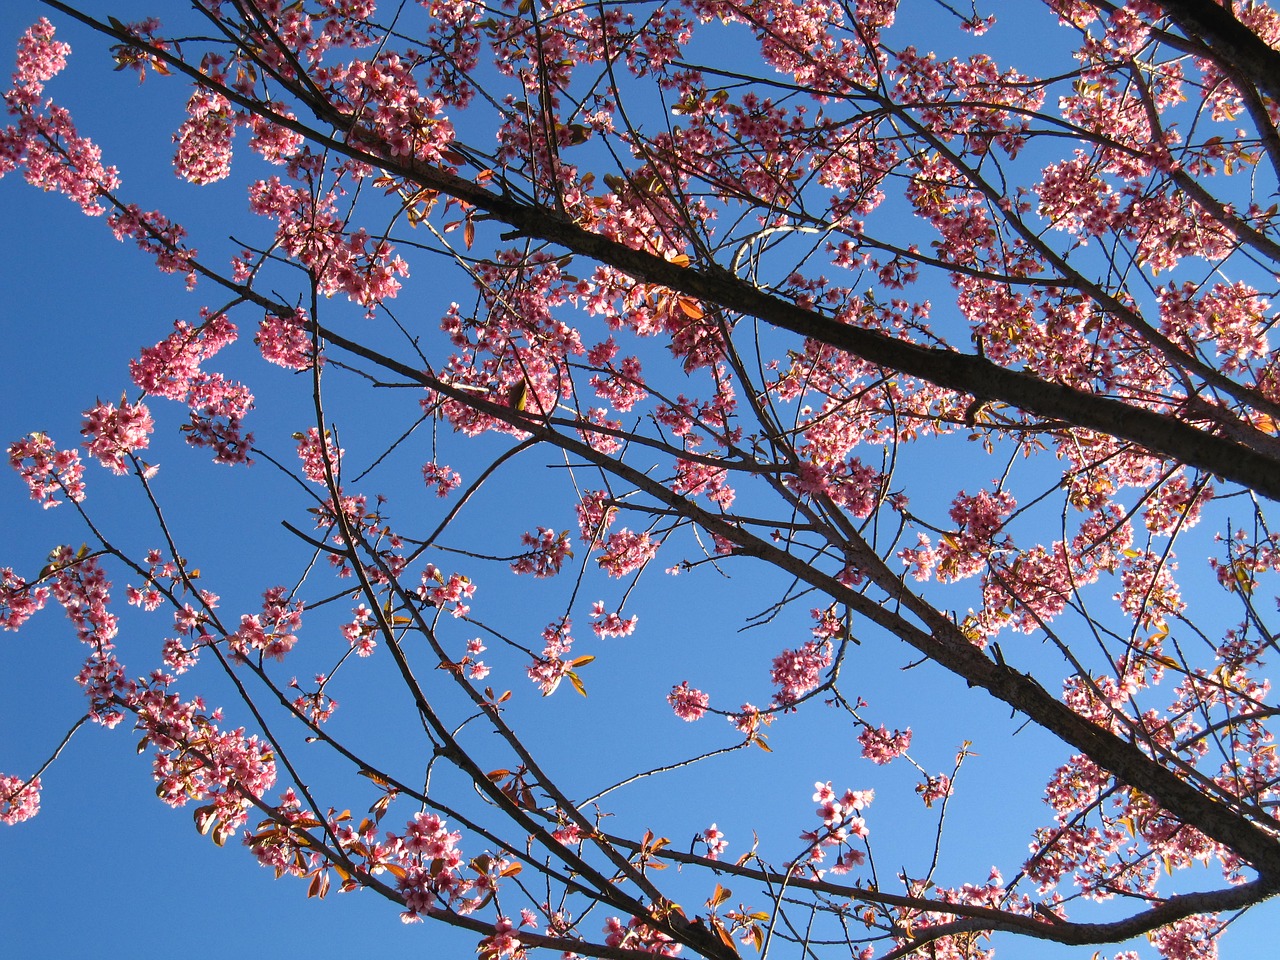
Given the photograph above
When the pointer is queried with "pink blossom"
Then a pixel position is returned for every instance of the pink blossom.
(452, 591)
(204, 139)
(285, 341)
(611, 624)
(111, 434)
(934, 789)
(81, 586)
(156, 234)
(502, 942)
(40, 58)
(715, 840)
(172, 369)
(178, 657)
(624, 387)
(625, 552)
(547, 552)
(880, 746)
(749, 719)
(271, 633)
(312, 454)
(47, 471)
(636, 935)
(19, 799)
(45, 140)
(360, 632)
(594, 516)
(549, 669)
(798, 672)
(441, 477)
(688, 702)
(19, 601)
(605, 440)
(1192, 938)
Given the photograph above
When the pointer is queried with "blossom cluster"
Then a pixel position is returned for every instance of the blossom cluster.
(112, 434)
(689, 703)
(546, 554)
(798, 672)
(271, 633)
(547, 670)
(19, 600)
(19, 799)
(48, 472)
(172, 369)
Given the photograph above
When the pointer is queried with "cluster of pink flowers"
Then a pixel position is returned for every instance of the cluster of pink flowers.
(360, 631)
(157, 235)
(197, 761)
(40, 59)
(697, 477)
(172, 369)
(428, 835)
(624, 552)
(798, 672)
(749, 719)
(595, 516)
(19, 799)
(850, 483)
(1191, 938)
(934, 788)
(312, 454)
(549, 669)
(880, 746)
(441, 477)
(47, 144)
(476, 669)
(604, 440)
(271, 141)
(841, 825)
(285, 341)
(431, 864)
(1175, 505)
(547, 553)
(316, 705)
(1235, 317)
(636, 935)
(148, 598)
(980, 518)
(502, 942)
(624, 387)
(611, 624)
(204, 139)
(81, 586)
(48, 472)
(311, 231)
(19, 601)
(111, 434)
(177, 656)
(715, 840)
(689, 703)
(455, 590)
(1149, 595)
(271, 633)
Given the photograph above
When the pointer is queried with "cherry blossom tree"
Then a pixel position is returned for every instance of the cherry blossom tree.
(745, 274)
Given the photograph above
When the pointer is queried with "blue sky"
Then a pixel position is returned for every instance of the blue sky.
(106, 867)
